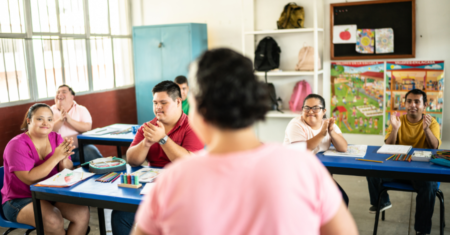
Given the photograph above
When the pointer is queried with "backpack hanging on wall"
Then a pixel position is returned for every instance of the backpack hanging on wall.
(301, 90)
(306, 59)
(293, 16)
(267, 55)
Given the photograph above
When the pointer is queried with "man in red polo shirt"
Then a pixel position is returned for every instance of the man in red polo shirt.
(164, 139)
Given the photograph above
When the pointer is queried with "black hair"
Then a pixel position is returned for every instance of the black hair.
(30, 113)
(68, 87)
(417, 92)
(319, 97)
(229, 94)
(172, 89)
(181, 80)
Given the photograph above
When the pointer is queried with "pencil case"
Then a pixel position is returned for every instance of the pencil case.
(441, 162)
(106, 165)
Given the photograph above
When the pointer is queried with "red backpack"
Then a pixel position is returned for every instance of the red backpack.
(301, 90)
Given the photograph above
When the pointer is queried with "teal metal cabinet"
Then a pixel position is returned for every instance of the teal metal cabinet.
(162, 52)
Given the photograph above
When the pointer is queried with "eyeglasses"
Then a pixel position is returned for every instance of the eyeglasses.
(315, 109)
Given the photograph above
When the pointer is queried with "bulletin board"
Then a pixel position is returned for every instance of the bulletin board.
(396, 14)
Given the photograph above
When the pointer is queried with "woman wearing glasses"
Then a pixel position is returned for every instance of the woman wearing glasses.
(313, 128)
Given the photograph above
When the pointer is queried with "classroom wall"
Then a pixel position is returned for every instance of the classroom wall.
(225, 30)
(106, 108)
(432, 43)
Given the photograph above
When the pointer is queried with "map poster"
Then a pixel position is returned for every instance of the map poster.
(403, 76)
(357, 96)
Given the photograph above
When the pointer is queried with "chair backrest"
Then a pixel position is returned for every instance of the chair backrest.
(2, 177)
(3, 221)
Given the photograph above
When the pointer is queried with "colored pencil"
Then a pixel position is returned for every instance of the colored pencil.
(367, 160)
(390, 157)
(110, 178)
(118, 176)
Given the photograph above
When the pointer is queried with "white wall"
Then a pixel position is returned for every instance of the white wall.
(224, 18)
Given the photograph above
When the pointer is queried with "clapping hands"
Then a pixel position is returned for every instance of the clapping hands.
(64, 149)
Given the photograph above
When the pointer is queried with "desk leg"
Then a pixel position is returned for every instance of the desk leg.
(81, 151)
(101, 221)
(119, 151)
(38, 214)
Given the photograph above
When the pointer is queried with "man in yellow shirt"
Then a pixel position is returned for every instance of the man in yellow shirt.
(421, 131)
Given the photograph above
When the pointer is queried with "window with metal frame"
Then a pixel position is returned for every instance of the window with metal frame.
(85, 44)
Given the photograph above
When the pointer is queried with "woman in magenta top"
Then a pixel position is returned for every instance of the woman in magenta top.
(31, 157)
(239, 185)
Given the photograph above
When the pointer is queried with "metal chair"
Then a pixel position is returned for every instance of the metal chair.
(6, 223)
(396, 186)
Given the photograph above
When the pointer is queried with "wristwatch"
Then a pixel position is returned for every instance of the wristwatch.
(163, 140)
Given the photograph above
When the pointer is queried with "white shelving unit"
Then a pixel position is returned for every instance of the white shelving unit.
(259, 21)
(315, 32)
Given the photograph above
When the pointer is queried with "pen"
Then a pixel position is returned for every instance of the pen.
(366, 160)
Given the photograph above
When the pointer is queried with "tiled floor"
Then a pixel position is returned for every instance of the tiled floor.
(399, 219)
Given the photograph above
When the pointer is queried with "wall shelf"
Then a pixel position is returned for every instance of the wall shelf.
(285, 114)
(288, 73)
(279, 31)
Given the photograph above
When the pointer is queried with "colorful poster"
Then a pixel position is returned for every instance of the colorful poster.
(403, 76)
(357, 96)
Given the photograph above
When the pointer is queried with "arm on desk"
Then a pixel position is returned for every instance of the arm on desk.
(66, 163)
(137, 154)
(339, 141)
(341, 223)
(173, 150)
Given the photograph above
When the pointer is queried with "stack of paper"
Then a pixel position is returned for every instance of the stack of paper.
(394, 149)
(352, 151)
(421, 156)
(148, 174)
(147, 188)
(65, 178)
(102, 131)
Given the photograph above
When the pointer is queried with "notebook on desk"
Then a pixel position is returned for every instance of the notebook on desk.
(394, 149)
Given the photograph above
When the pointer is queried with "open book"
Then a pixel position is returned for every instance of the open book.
(394, 149)
(352, 151)
(65, 178)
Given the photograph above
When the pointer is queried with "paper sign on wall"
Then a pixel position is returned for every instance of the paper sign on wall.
(343, 34)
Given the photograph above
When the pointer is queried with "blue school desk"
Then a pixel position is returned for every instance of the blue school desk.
(108, 139)
(388, 169)
(89, 193)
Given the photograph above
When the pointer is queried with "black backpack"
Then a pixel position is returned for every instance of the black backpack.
(267, 55)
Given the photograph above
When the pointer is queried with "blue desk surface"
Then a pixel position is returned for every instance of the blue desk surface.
(121, 138)
(97, 190)
(398, 166)
(128, 137)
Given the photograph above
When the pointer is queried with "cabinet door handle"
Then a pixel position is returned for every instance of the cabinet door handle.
(160, 45)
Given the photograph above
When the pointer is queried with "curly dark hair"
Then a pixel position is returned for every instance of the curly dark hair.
(229, 95)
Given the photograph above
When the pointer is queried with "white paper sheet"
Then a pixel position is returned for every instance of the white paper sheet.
(352, 151)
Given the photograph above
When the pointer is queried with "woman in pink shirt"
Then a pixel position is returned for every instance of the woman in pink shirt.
(33, 156)
(239, 185)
